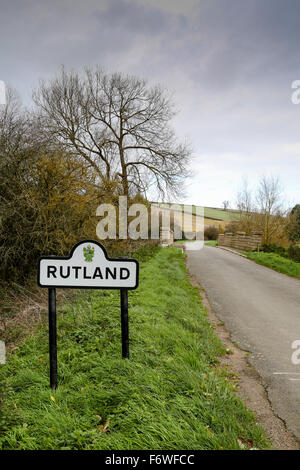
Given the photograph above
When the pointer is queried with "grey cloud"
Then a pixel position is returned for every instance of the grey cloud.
(229, 63)
(132, 18)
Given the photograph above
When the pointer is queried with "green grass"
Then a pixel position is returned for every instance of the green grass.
(171, 394)
(211, 243)
(276, 262)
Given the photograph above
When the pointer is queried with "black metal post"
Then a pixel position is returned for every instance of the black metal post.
(124, 323)
(52, 337)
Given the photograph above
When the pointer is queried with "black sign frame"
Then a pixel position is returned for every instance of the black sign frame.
(52, 306)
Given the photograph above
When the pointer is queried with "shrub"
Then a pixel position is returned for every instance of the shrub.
(234, 227)
(273, 248)
(211, 233)
(293, 224)
(294, 253)
(48, 208)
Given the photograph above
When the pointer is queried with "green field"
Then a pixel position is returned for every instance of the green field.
(171, 394)
(212, 212)
(220, 214)
(276, 262)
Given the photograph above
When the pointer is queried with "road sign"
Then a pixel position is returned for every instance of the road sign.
(87, 267)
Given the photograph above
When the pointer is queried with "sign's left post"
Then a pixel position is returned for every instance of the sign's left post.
(52, 337)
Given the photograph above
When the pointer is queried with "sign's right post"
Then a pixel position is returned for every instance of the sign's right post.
(124, 323)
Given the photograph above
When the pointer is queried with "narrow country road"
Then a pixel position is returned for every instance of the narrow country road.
(261, 310)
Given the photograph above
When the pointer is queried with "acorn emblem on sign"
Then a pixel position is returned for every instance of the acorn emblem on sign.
(88, 253)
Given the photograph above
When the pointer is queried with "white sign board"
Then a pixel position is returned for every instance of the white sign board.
(88, 266)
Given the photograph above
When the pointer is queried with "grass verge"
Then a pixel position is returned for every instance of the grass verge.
(276, 262)
(171, 394)
(211, 243)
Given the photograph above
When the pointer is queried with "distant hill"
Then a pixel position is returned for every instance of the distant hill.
(228, 215)
(212, 215)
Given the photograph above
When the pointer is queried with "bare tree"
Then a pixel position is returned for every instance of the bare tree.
(15, 147)
(270, 205)
(225, 205)
(244, 202)
(244, 198)
(263, 211)
(12, 125)
(119, 125)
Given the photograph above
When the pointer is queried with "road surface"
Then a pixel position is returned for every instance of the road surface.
(261, 309)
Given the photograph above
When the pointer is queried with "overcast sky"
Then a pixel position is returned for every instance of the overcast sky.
(229, 65)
